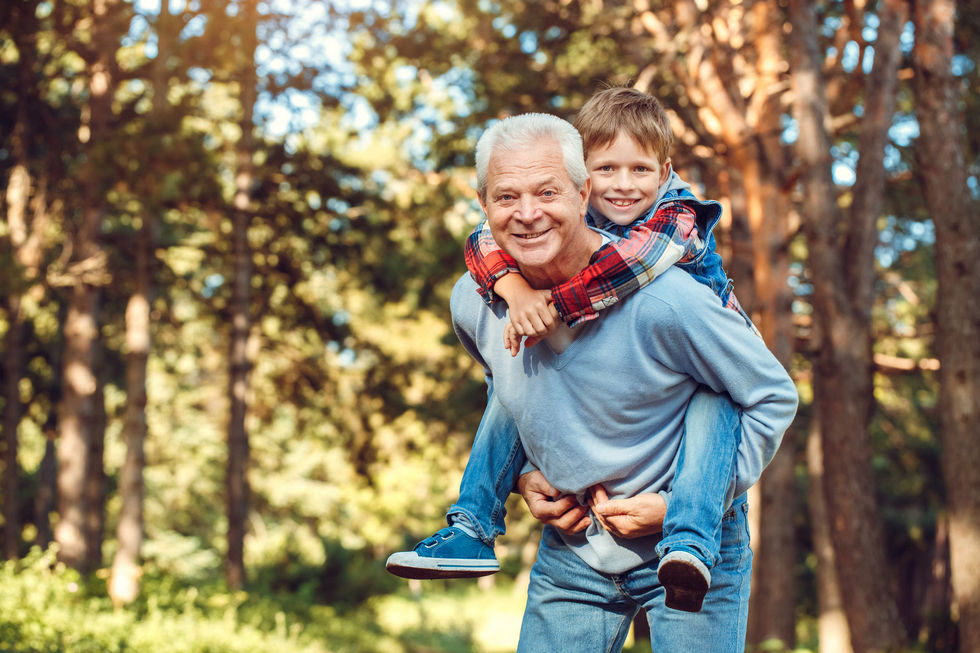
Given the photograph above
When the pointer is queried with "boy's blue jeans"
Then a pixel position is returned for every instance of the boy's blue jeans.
(700, 494)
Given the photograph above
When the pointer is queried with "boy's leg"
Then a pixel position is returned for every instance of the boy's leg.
(495, 463)
(701, 492)
(720, 626)
(465, 548)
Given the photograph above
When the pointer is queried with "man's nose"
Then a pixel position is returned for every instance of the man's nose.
(528, 208)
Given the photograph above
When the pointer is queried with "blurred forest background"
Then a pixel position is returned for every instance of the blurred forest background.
(230, 228)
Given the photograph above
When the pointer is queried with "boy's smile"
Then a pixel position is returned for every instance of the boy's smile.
(626, 178)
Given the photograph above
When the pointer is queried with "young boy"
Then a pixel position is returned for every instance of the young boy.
(657, 222)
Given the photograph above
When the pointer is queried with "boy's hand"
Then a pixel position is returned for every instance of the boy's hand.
(550, 506)
(634, 517)
(532, 314)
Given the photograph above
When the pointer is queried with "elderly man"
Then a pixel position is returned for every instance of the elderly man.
(600, 410)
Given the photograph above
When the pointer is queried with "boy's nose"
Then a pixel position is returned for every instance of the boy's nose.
(623, 179)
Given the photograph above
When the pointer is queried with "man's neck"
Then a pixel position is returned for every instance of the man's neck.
(570, 264)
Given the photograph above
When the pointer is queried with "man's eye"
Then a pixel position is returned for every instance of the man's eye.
(548, 193)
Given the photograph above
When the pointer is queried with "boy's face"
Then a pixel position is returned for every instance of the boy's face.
(625, 179)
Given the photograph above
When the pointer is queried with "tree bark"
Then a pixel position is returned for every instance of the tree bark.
(124, 577)
(832, 631)
(957, 259)
(237, 486)
(79, 415)
(844, 364)
(24, 254)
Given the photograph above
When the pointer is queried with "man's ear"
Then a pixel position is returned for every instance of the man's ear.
(584, 193)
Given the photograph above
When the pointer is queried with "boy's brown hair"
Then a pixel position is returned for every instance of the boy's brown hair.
(613, 110)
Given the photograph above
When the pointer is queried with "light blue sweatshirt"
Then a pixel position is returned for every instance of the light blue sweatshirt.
(610, 408)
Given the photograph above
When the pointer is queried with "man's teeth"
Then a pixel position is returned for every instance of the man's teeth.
(529, 236)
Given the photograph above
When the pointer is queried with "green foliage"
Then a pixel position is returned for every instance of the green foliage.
(46, 608)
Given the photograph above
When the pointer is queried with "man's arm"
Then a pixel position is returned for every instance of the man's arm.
(695, 334)
(620, 267)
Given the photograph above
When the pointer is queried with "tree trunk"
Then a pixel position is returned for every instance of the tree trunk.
(26, 260)
(957, 260)
(238, 446)
(124, 578)
(79, 414)
(833, 633)
(125, 575)
(844, 367)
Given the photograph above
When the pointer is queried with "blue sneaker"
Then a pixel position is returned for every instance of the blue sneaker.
(686, 580)
(450, 553)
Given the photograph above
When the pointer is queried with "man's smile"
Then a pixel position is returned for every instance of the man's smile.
(531, 236)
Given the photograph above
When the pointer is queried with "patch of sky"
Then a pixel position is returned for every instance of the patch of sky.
(974, 185)
(529, 42)
(963, 65)
(901, 235)
(849, 59)
(507, 29)
(893, 159)
(870, 30)
(869, 60)
(200, 75)
(552, 33)
(904, 129)
(337, 205)
(340, 318)
(906, 40)
(211, 284)
(139, 29)
(791, 130)
(845, 162)
(830, 25)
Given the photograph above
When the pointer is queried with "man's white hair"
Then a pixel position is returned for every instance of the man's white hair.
(521, 131)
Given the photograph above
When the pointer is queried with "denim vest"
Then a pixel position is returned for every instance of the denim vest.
(707, 266)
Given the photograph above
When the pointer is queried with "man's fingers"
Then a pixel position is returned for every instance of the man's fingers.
(573, 520)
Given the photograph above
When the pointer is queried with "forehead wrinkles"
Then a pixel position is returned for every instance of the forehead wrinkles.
(511, 170)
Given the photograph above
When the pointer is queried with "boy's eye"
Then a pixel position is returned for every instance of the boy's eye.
(642, 169)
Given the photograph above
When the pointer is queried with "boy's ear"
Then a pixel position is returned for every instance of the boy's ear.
(664, 172)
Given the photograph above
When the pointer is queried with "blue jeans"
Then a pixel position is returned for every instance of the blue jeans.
(704, 477)
(701, 491)
(572, 607)
(496, 460)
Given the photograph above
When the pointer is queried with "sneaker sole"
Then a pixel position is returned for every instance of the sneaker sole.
(684, 584)
(432, 568)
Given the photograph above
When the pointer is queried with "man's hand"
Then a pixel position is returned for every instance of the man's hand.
(634, 517)
(550, 506)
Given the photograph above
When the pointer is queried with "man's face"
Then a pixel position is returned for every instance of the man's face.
(625, 179)
(534, 211)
